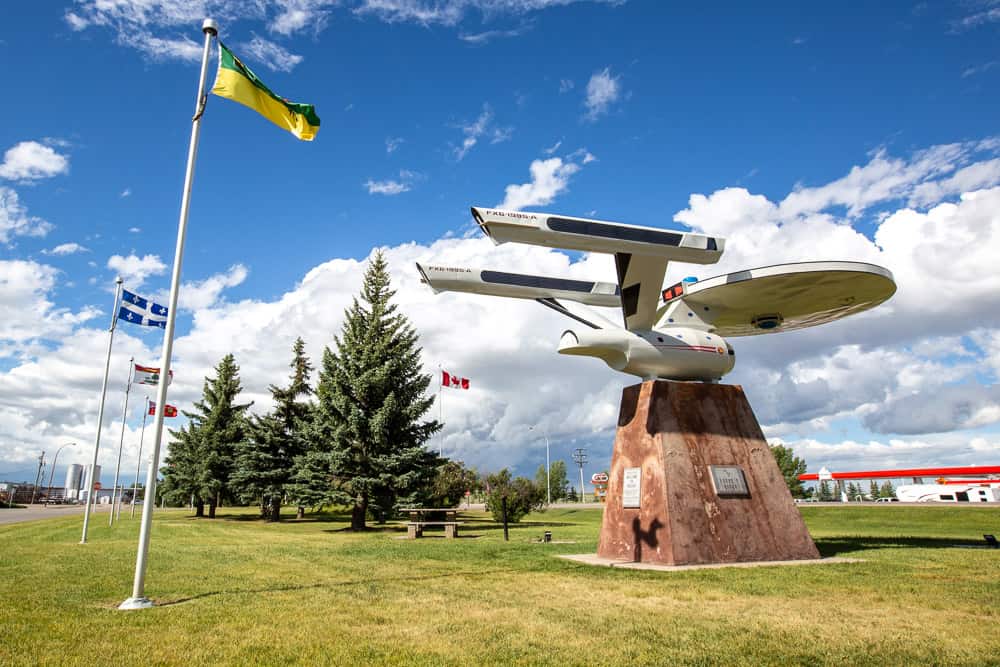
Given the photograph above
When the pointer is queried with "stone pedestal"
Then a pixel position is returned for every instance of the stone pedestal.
(665, 502)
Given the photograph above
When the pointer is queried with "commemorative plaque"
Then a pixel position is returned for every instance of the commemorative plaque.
(729, 482)
(631, 486)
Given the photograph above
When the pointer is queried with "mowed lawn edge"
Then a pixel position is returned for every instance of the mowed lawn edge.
(236, 590)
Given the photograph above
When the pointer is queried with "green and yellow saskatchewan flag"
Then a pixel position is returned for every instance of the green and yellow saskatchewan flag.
(235, 81)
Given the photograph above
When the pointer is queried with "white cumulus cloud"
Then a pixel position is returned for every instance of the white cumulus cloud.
(31, 161)
(14, 218)
(273, 56)
(65, 249)
(391, 186)
(483, 125)
(134, 269)
(603, 90)
(938, 336)
(549, 179)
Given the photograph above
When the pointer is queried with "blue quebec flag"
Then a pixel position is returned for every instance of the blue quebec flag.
(137, 310)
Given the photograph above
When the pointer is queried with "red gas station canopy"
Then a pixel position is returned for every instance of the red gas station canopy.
(960, 471)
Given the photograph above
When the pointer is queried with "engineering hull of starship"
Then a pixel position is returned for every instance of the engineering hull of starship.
(675, 333)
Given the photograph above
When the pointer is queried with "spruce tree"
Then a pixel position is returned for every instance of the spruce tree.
(791, 467)
(873, 490)
(371, 398)
(265, 458)
(204, 459)
(180, 467)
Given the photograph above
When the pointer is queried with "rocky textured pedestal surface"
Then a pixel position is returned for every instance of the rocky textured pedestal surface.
(674, 433)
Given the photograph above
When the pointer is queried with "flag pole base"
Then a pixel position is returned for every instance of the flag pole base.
(136, 603)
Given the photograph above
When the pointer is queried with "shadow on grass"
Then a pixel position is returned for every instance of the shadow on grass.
(489, 524)
(370, 529)
(312, 517)
(835, 546)
(280, 588)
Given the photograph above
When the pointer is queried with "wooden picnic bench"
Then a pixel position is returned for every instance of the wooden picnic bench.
(418, 520)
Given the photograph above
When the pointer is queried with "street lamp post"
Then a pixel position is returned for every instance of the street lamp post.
(39, 478)
(52, 472)
(548, 482)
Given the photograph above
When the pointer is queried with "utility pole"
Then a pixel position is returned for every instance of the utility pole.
(580, 458)
(38, 478)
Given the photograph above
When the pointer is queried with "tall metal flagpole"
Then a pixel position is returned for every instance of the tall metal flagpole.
(100, 411)
(440, 410)
(138, 461)
(121, 442)
(139, 599)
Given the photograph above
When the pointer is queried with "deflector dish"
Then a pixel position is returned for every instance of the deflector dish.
(784, 297)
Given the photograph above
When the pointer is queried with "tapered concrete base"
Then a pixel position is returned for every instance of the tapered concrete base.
(673, 433)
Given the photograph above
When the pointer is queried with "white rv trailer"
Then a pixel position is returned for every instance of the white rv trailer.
(949, 493)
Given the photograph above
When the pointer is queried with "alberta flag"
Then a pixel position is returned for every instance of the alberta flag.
(139, 310)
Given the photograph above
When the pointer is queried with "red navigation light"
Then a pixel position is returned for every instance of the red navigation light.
(673, 292)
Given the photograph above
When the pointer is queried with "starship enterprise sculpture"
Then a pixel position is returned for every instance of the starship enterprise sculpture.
(673, 333)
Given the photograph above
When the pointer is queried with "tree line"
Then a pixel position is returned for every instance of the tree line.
(356, 439)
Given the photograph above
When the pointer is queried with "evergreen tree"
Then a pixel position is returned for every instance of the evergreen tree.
(852, 491)
(887, 490)
(180, 467)
(791, 467)
(371, 398)
(873, 490)
(203, 463)
(825, 495)
(265, 458)
(311, 483)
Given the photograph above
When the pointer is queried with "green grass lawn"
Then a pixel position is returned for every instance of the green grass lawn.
(239, 591)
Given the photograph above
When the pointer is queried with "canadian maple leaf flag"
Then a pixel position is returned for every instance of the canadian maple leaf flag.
(449, 380)
(169, 411)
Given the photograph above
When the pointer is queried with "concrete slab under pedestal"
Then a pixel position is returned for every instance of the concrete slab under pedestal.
(694, 482)
(591, 559)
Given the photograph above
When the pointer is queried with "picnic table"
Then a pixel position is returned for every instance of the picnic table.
(419, 519)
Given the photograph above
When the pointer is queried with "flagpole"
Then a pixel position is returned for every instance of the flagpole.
(121, 443)
(440, 411)
(138, 461)
(100, 410)
(138, 600)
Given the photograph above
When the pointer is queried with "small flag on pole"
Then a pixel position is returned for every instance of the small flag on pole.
(149, 375)
(235, 81)
(140, 310)
(449, 380)
(169, 411)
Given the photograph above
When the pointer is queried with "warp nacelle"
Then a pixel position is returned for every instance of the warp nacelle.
(678, 353)
(568, 233)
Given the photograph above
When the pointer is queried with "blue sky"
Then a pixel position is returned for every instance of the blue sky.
(806, 120)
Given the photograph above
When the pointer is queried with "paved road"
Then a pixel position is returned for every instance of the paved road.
(37, 512)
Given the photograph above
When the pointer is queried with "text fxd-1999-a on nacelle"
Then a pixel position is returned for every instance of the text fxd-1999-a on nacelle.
(679, 353)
